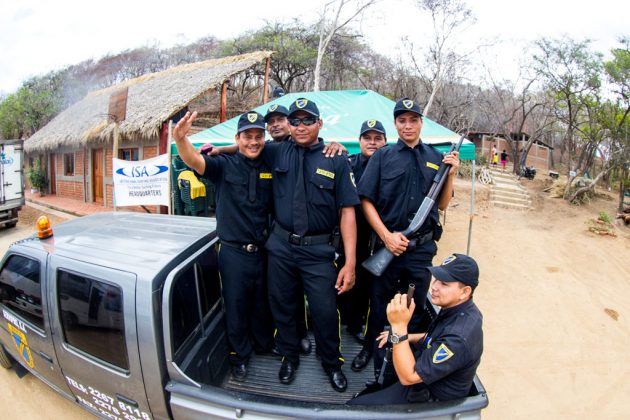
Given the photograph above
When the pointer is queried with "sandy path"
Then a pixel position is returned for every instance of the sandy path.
(551, 350)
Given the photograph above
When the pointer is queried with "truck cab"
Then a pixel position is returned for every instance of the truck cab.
(122, 313)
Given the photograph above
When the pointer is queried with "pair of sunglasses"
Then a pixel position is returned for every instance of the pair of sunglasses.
(307, 121)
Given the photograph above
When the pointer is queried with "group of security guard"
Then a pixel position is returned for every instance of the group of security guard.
(308, 193)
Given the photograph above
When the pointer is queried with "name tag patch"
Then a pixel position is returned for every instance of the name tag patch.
(326, 173)
(433, 166)
(265, 175)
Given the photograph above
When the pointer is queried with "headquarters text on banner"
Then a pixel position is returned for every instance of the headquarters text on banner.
(143, 182)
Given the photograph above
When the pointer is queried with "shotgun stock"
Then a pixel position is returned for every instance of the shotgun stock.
(378, 262)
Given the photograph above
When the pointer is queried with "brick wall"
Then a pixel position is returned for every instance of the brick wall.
(70, 189)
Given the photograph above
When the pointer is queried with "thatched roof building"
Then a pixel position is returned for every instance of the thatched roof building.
(152, 99)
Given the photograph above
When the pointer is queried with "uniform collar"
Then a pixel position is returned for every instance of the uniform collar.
(401, 145)
(462, 307)
(318, 145)
(286, 138)
(252, 162)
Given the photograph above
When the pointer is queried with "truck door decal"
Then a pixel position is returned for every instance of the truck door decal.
(19, 339)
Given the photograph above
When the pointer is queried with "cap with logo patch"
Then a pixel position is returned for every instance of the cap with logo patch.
(372, 125)
(250, 119)
(275, 109)
(457, 267)
(303, 104)
(406, 105)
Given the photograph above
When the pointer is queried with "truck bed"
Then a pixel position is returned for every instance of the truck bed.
(311, 383)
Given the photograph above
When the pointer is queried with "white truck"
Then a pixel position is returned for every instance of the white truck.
(11, 181)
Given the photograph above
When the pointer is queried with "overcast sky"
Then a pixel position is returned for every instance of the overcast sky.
(37, 36)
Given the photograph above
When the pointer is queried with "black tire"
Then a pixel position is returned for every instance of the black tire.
(6, 361)
(11, 225)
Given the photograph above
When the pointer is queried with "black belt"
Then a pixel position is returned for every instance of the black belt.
(294, 239)
(251, 248)
(421, 238)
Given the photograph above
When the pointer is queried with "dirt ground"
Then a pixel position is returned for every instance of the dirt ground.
(554, 299)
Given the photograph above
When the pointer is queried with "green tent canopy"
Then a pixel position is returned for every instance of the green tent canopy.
(343, 112)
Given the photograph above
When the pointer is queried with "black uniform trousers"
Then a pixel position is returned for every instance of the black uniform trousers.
(396, 393)
(354, 304)
(290, 267)
(247, 314)
(410, 267)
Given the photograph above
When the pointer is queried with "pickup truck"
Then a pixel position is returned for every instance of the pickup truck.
(122, 313)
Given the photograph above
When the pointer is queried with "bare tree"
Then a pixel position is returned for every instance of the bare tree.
(441, 59)
(329, 28)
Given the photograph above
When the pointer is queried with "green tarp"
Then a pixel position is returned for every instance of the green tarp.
(343, 112)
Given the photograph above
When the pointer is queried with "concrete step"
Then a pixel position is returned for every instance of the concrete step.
(502, 175)
(511, 200)
(508, 188)
(509, 193)
(508, 205)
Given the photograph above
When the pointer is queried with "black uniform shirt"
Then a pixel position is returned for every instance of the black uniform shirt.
(396, 180)
(329, 185)
(358, 163)
(244, 197)
(452, 351)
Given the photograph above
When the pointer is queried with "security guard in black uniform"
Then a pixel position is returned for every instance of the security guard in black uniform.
(353, 306)
(441, 363)
(312, 195)
(279, 129)
(395, 182)
(244, 200)
(277, 123)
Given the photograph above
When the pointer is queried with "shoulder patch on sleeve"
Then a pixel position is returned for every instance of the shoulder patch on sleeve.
(442, 354)
(352, 179)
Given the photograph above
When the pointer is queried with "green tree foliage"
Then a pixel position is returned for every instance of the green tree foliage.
(295, 47)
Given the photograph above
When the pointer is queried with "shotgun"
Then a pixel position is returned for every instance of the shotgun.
(378, 262)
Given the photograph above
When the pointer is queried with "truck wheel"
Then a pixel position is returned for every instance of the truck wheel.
(6, 361)
(10, 225)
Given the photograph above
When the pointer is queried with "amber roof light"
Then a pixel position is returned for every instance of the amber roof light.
(44, 230)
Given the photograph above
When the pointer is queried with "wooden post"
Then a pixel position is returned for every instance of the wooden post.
(223, 112)
(115, 156)
(170, 166)
(266, 83)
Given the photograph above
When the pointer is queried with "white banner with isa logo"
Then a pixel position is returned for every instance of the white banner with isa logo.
(143, 182)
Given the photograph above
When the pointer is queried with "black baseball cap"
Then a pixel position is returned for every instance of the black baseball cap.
(457, 267)
(372, 125)
(275, 109)
(303, 104)
(406, 105)
(250, 119)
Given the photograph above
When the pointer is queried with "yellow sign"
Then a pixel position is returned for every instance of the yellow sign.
(326, 173)
(265, 175)
(433, 166)
(19, 339)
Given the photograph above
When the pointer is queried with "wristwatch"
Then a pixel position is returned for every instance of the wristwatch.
(395, 338)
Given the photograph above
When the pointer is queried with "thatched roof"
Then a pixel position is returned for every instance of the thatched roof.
(152, 99)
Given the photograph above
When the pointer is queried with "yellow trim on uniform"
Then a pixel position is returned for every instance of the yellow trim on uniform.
(304, 304)
(367, 317)
(443, 353)
(326, 173)
(433, 165)
(266, 175)
(339, 331)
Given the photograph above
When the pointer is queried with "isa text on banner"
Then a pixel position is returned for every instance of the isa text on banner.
(143, 182)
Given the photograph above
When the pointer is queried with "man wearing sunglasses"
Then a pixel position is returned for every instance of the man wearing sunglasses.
(354, 305)
(244, 199)
(279, 129)
(312, 195)
(392, 188)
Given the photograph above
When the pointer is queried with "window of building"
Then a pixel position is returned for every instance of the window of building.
(20, 289)
(68, 164)
(128, 154)
(92, 317)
